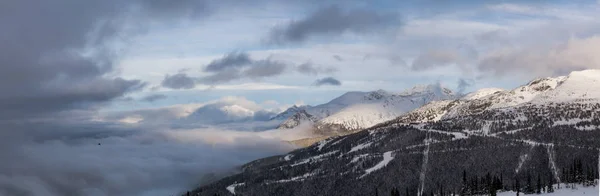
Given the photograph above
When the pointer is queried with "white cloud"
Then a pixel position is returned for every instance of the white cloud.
(558, 59)
(227, 109)
(447, 28)
(565, 12)
(254, 86)
(119, 162)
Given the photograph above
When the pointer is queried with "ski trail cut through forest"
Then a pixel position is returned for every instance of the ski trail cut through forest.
(523, 159)
(551, 158)
(424, 166)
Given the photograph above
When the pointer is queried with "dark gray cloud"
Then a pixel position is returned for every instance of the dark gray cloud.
(311, 69)
(231, 60)
(153, 98)
(328, 81)
(265, 68)
(178, 81)
(42, 66)
(338, 58)
(332, 20)
(239, 65)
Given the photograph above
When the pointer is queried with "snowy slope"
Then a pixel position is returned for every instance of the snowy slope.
(383, 107)
(358, 110)
(579, 86)
(546, 127)
(578, 191)
(289, 112)
(297, 119)
(484, 92)
(337, 104)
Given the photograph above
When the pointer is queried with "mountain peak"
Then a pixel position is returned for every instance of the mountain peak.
(484, 92)
(289, 112)
(377, 95)
(296, 119)
(436, 89)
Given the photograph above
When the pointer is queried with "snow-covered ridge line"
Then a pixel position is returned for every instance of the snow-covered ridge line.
(358, 110)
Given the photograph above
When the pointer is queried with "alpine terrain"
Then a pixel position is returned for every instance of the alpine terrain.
(541, 137)
(358, 110)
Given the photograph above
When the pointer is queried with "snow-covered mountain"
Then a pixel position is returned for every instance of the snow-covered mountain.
(358, 110)
(227, 112)
(296, 119)
(289, 112)
(541, 137)
(481, 93)
(577, 87)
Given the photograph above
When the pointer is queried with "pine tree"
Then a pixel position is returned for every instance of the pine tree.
(465, 185)
(539, 185)
(395, 192)
(529, 187)
(518, 186)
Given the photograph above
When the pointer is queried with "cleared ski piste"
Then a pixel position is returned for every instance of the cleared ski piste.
(580, 190)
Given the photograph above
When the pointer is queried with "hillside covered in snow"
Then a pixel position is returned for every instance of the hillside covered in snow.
(358, 110)
(542, 137)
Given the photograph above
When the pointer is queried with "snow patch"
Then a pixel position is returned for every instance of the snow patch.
(297, 178)
(231, 188)
(591, 190)
(356, 158)
(322, 144)
(481, 93)
(360, 147)
(387, 157)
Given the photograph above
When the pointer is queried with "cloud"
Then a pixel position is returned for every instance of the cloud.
(154, 97)
(104, 159)
(310, 69)
(229, 109)
(542, 60)
(338, 58)
(332, 20)
(328, 81)
(239, 65)
(178, 81)
(435, 58)
(231, 60)
(265, 68)
(462, 85)
(54, 62)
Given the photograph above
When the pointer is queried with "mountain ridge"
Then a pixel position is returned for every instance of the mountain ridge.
(357, 110)
(554, 128)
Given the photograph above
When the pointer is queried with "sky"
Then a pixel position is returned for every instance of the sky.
(288, 46)
(98, 94)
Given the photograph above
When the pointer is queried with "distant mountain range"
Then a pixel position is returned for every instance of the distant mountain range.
(536, 138)
(358, 110)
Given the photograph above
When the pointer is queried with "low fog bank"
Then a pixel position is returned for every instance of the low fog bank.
(108, 159)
